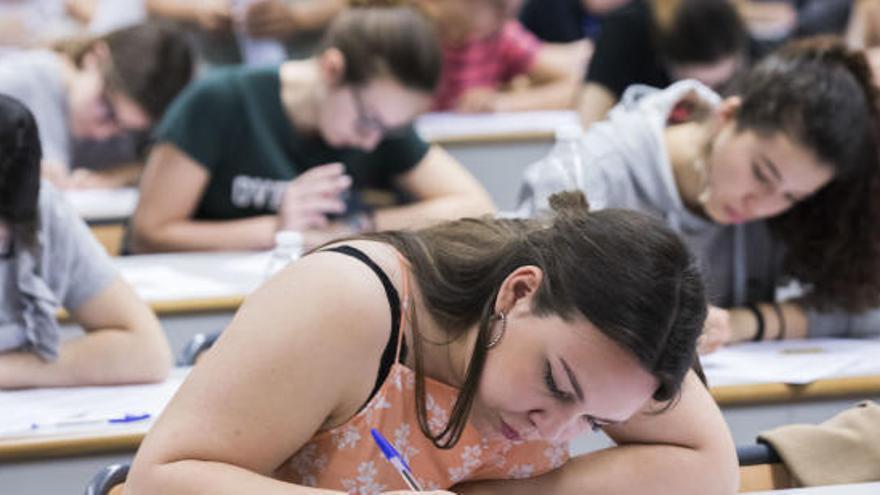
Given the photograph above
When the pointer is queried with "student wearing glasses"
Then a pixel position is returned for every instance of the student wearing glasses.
(247, 152)
(92, 97)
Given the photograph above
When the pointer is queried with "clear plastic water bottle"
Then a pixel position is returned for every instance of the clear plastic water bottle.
(561, 170)
(567, 156)
(288, 247)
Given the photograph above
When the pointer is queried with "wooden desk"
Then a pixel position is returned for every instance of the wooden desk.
(106, 211)
(496, 148)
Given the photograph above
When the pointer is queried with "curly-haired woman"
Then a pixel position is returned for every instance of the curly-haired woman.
(779, 183)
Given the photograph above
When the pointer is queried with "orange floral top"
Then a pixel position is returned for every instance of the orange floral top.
(347, 459)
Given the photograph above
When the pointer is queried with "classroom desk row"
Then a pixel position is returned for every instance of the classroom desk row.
(749, 402)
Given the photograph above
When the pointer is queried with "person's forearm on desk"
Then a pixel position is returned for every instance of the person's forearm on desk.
(552, 87)
(787, 321)
(443, 190)
(124, 343)
(255, 233)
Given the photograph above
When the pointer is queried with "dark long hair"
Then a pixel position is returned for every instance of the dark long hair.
(821, 95)
(380, 38)
(624, 271)
(20, 156)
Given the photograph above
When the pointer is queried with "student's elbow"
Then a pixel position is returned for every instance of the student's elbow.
(155, 357)
(720, 467)
(146, 232)
(146, 476)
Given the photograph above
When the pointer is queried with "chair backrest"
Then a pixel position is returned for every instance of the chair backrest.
(760, 468)
(107, 479)
(200, 343)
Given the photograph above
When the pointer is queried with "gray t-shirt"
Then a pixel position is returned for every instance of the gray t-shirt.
(35, 78)
(623, 162)
(70, 269)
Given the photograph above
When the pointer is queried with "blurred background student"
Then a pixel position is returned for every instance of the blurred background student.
(491, 63)
(779, 183)
(247, 152)
(566, 21)
(95, 99)
(215, 24)
(773, 22)
(656, 42)
(49, 261)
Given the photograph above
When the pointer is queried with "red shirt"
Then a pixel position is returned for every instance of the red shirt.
(487, 62)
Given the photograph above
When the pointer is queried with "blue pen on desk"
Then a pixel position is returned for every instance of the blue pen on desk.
(396, 460)
(112, 420)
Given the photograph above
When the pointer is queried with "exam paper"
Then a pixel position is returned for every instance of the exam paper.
(19, 409)
(162, 283)
(103, 204)
(793, 361)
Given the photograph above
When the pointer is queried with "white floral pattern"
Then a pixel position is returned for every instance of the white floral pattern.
(346, 438)
(556, 455)
(365, 483)
(471, 459)
(402, 444)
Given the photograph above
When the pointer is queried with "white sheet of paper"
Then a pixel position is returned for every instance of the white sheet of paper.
(447, 125)
(793, 361)
(19, 409)
(162, 283)
(103, 204)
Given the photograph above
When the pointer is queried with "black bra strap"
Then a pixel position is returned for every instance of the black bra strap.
(393, 302)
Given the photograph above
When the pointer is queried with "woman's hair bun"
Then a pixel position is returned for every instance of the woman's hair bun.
(569, 202)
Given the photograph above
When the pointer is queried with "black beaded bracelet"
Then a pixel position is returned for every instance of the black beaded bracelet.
(759, 336)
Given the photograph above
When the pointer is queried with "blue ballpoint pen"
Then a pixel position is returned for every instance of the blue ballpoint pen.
(396, 460)
(123, 419)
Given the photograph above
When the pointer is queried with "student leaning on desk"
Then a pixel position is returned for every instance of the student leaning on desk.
(93, 97)
(247, 152)
(49, 260)
(780, 182)
(479, 347)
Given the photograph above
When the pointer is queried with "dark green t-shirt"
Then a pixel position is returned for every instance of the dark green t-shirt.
(233, 123)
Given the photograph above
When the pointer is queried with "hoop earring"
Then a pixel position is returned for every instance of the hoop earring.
(502, 317)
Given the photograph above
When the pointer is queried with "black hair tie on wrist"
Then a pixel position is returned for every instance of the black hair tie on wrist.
(759, 336)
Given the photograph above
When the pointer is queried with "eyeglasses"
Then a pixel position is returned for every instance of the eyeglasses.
(105, 98)
(367, 122)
